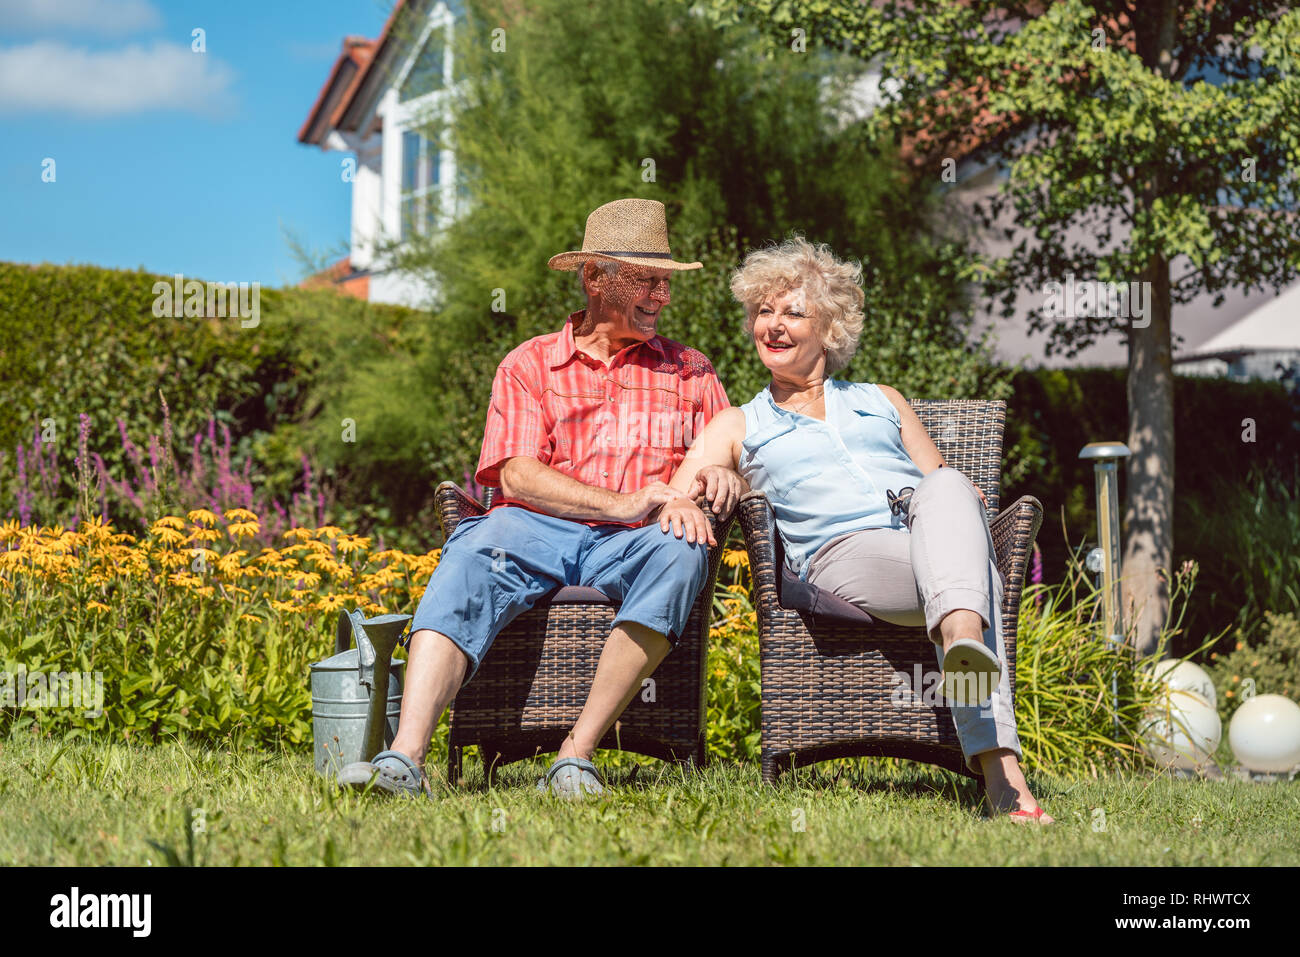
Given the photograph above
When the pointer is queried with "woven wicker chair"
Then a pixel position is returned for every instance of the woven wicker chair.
(533, 682)
(827, 680)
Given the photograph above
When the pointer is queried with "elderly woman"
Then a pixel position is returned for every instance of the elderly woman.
(832, 457)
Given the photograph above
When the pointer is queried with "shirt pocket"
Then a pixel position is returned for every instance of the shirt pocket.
(577, 422)
(785, 456)
(875, 435)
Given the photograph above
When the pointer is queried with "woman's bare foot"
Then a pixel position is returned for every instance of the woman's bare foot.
(1006, 790)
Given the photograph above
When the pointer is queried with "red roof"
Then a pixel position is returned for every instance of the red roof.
(345, 79)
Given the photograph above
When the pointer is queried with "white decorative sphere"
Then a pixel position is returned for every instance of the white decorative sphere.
(1185, 676)
(1183, 730)
(1264, 733)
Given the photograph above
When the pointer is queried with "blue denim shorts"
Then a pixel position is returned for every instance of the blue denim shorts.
(496, 566)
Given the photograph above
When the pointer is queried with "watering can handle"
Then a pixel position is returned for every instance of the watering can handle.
(347, 630)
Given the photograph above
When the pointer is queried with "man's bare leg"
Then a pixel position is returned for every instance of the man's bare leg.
(435, 670)
(631, 654)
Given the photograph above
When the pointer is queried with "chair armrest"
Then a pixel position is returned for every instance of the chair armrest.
(1013, 531)
(758, 523)
(452, 504)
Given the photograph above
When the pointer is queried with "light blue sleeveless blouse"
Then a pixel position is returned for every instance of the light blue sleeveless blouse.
(826, 479)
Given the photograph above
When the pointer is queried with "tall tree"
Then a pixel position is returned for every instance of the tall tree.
(1168, 131)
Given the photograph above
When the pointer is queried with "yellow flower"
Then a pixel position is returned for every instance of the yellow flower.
(229, 565)
(299, 533)
(202, 516)
(329, 531)
(97, 605)
(353, 543)
(9, 530)
(241, 515)
(172, 559)
(735, 557)
(331, 603)
(243, 529)
(168, 536)
(204, 535)
(169, 521)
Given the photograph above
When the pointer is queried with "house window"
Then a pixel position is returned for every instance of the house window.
(426, 73)
(420, 179)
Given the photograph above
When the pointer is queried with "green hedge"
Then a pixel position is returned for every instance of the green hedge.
(81, 339)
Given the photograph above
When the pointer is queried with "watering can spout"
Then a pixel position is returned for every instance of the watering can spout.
(376, 640)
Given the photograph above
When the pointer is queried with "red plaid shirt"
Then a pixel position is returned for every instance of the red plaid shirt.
(618, 427)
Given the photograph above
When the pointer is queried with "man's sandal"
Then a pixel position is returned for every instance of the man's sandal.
(572, 778)
(392, 771)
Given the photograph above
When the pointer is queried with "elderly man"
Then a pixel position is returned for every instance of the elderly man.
(585, 427)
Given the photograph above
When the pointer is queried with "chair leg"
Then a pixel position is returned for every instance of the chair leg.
(770, 770)
(701, 756)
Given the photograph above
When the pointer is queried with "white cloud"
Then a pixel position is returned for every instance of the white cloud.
(52, 76)
(111, 17)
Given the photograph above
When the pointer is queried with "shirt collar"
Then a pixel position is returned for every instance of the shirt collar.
(564, 348)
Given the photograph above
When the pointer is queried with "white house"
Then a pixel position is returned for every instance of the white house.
(378, 93)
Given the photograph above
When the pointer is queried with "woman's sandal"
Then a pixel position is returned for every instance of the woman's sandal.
(969, 667)
(1029, 817)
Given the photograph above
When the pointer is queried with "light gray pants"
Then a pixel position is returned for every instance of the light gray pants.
(946, 562)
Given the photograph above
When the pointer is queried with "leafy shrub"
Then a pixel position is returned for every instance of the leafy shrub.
(192, 634)
(1271, 663)
(1080, 700)
(1251, 527)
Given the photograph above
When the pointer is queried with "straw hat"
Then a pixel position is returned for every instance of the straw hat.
(625, 231)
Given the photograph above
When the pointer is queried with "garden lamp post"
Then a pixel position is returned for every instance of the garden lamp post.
(1105, 558)
(1105, 457)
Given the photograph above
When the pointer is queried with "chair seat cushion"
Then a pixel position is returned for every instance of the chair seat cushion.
(822, 605)
(576, 595)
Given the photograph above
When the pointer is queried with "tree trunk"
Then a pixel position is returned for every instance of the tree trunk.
(1149, 502)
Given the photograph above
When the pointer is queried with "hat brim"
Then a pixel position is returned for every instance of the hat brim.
(567, 262)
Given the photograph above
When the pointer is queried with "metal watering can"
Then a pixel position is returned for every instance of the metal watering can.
(350, 720)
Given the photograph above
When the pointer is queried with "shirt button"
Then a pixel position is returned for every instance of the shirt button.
(604, 473)
(611, 398)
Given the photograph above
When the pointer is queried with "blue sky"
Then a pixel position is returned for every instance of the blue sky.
(164, 158)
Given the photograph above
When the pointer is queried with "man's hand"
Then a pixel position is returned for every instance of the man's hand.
(720, 487)
(685, 517)
(633, 507)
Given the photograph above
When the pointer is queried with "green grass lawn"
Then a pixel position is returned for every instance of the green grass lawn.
(99, 803)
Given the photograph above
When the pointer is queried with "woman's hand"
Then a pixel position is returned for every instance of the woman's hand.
(686, 518)
(720, 486)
